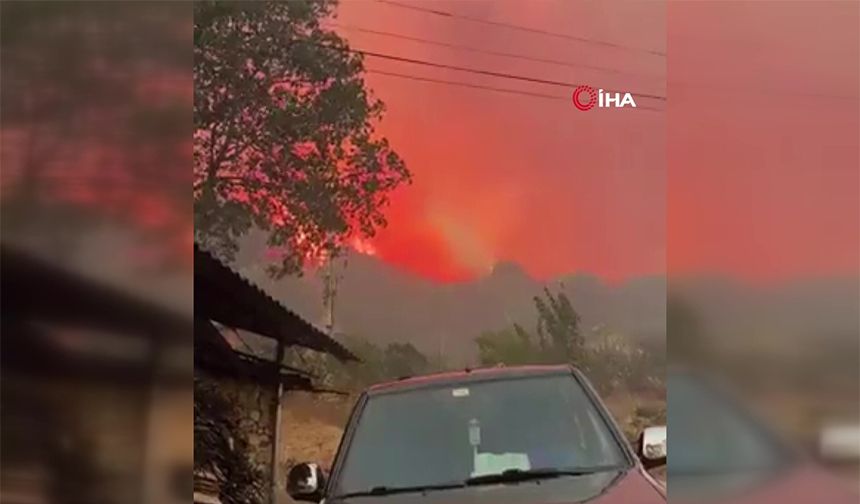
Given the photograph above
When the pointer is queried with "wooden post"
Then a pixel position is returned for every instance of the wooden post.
(150, 415)
(276, 419)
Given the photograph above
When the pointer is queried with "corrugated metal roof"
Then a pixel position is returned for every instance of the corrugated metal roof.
(35, 289)
(226, 297)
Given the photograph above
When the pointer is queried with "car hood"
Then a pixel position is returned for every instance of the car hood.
(612, 487)
(797, 485)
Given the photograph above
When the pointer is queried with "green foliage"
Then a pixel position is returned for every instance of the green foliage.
(378, 364)
(284, 132)
(403, 359)
(558, 326)
(221, 449)
(609, 359)
(558, 338)
(370, 370)
(644, 415)
(511, 347)
(613, 362)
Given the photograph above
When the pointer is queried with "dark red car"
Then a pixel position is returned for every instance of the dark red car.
(530, 435)
(723, 454)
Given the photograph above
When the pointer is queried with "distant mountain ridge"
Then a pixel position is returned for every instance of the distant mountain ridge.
(384, 304)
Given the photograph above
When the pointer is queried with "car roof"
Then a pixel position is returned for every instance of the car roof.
(468, 376)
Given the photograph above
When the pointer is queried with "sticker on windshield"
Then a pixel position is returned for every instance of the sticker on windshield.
(460, 392)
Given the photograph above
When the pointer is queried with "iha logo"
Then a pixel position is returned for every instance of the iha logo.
(586, 97)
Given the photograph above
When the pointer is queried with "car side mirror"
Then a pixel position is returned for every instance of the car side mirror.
(652, 446)
(305, 482)
(839, 443)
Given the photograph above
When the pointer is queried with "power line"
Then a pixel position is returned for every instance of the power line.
(518, 27)
(525, 78)
(484, 88)
(464, 84)
(523, 57)
(744, 90)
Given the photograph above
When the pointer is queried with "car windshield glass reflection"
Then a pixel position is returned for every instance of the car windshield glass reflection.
(710, 435)
(447, 435)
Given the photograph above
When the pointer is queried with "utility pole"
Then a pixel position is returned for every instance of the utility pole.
(331, 293)
(276, 419)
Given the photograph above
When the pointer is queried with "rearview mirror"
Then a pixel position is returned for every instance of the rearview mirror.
(652, 446)
(305, 482)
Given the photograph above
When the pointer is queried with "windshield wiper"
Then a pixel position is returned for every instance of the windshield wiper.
(384, 490)
(509, 476)
(515, 475)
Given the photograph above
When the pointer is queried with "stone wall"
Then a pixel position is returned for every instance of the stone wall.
(310, 432)
(254, 405)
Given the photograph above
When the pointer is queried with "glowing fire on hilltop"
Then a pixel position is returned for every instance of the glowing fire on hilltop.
(319, 257)
(363, 246)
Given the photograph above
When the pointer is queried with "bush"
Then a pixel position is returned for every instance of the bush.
(220, 448)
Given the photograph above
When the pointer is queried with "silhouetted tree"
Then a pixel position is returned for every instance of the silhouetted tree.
(95, 123)
(558, 327)
(284, 132)
(403, 359)
(608, 358)
(685, 340)
(557, 338)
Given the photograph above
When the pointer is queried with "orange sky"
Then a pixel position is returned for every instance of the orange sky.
(760, 186)
(763, 139)
(509, 177)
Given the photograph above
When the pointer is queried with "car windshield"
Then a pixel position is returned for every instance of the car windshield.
(448, 434)
(711, 435)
